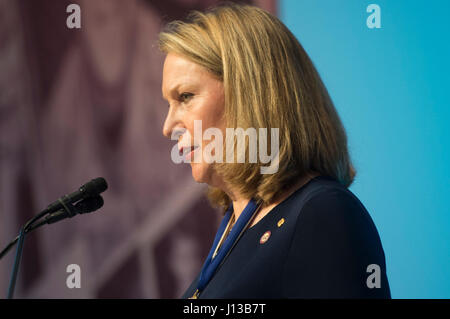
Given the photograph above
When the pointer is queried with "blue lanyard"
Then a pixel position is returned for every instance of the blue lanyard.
(210, 265)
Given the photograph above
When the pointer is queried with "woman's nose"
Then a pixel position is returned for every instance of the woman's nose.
(166, 129)
(169, 124)
(174, 126)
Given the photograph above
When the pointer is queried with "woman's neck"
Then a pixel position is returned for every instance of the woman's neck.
(239, 206)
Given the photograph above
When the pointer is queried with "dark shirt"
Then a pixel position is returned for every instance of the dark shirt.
(322, 250)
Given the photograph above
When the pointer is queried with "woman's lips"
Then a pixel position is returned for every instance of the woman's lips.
(190, 152)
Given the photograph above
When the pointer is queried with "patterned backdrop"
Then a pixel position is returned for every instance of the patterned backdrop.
(76, 104)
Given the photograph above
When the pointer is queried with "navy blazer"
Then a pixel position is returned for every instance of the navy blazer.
(322, 248)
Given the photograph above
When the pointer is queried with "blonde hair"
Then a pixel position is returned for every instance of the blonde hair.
(269, 82)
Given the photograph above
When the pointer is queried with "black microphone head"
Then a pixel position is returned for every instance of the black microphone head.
(94, 187)
(89, 204)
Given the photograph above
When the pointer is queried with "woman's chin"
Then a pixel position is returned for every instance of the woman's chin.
(200, 172)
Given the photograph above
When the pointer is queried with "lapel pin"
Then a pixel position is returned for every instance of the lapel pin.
(265, 237)
(280, 222)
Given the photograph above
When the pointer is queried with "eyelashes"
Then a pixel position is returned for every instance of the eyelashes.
(186, 96)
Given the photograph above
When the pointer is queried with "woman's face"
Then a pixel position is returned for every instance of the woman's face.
(193, 94)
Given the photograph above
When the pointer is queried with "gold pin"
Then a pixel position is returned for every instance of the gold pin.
(195, 295)
(265, 237)
(280, 222)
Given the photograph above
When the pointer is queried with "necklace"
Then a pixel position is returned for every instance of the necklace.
(225, 234)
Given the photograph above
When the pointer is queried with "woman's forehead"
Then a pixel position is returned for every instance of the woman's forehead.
(179, 65)
(179, 71)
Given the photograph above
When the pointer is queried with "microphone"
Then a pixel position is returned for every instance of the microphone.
(87, 205)
(90, 189)
(88, 198)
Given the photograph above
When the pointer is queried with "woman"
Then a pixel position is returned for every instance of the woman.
(295, 232)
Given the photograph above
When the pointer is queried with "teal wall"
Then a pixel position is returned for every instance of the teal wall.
(391, 88)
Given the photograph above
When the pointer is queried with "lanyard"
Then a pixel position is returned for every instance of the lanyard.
(211, 264)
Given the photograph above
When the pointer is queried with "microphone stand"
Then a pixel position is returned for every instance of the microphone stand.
(14, 241)
(12, 283)
(21, 239)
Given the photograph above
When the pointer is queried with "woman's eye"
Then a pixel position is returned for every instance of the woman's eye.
(184, 97)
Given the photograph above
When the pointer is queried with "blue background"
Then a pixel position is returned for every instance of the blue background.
(391, 89)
